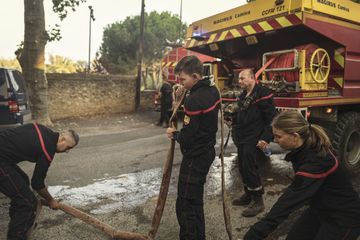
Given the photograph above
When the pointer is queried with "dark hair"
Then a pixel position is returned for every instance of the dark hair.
(74, 135)
(313, 135)
(190, 65)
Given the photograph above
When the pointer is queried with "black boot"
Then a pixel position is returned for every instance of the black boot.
(255, 207)
(244, 200)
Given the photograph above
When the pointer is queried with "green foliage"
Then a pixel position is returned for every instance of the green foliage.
(357, 1)
(119, 49)
(10, 63)
(54, 33)
(61, 6)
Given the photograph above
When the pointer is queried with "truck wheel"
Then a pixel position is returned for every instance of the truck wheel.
(346, 141)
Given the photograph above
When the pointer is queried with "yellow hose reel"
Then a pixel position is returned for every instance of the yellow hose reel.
(320, 65)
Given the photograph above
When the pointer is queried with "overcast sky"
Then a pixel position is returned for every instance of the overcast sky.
(75, 28)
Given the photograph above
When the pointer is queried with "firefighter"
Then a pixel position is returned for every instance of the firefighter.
(251, 132)
(35, 143)
(320, 182)
(197, 140)
(166, 100)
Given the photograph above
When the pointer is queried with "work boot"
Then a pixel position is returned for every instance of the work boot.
(255, 207)
(244, 200)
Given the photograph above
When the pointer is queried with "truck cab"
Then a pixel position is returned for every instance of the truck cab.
(14, 103)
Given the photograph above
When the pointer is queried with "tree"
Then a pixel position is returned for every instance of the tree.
(31, 56)
(121, 40)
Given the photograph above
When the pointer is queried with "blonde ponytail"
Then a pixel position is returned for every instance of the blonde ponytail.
(313, 135)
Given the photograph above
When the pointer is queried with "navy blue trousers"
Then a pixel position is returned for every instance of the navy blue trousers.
(189, 202)
(310, 227)
(14, 184)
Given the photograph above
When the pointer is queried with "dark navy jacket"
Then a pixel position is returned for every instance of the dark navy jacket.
(253, 123)
(166, 94)
(322, 183)
(201, 108)
(24, 144)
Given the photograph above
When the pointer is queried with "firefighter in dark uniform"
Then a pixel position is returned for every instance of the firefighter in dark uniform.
(165, 102)
(251, 132)
(197, 140)
(35, 143)
(320, 182)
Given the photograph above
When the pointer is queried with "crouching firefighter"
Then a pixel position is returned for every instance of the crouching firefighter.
(197, 140)
(251, 133)
(35, 143)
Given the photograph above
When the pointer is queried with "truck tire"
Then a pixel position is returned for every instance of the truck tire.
(346, 141)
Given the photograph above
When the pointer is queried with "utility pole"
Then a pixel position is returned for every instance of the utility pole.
(92, 18)
(180, 29)
(141, 53)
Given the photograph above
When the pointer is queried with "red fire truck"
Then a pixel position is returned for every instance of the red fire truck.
(310, 53)
(213, 68)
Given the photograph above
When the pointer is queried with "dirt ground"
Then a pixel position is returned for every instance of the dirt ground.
(56, 225)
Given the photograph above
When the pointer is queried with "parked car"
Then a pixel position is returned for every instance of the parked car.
(14, 101)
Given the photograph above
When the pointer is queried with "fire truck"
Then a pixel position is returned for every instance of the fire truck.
(213, 68)
(308, 53)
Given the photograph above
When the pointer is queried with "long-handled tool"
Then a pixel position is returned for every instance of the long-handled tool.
(107, 229)
(166, 177)
(223, 188)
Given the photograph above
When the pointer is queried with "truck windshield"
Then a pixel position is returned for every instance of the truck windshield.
(17, 81)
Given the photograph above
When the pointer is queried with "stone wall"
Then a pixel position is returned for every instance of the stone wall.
(76, 95)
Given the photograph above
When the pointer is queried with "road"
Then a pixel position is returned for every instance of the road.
(115, 173)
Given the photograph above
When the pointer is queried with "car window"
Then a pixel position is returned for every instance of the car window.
(17, 81)
(3, 85)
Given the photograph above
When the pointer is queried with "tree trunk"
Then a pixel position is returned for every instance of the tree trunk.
(32, 59)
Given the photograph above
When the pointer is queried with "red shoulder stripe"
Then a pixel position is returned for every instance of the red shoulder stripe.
(264, 98)
(193, 113)
(42, 143)
(320, 175)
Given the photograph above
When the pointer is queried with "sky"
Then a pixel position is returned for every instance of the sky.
(75, 28)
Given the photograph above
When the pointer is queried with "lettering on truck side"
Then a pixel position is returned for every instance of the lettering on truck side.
(334, 5)
(272, 10)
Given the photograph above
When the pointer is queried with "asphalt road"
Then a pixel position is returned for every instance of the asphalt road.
(115, 173)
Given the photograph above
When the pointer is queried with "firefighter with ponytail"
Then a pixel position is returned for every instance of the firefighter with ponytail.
(320, 182)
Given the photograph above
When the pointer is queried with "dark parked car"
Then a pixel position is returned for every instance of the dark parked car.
(14, 102)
